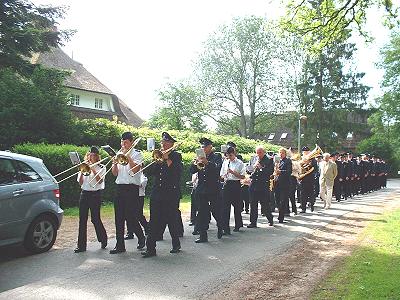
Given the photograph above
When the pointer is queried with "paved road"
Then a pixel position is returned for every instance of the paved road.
(95, 274)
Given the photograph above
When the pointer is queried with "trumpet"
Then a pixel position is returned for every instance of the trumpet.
(200, 165)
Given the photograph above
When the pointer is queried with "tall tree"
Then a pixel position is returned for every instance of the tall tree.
(34, 109)
(242, 71)
(331, 95)
(183, 106)
(25, 29)
(332, 19)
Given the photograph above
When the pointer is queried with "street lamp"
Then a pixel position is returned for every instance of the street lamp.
(301, 118)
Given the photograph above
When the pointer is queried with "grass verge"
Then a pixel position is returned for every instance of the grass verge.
(107, 209)
(372, 271)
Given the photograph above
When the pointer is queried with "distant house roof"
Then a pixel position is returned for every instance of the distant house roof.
(82, 79)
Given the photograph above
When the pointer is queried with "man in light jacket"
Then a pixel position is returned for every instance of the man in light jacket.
(328, 172)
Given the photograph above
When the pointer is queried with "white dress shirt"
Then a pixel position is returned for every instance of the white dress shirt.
(92, 186)
(125, 175)
(235, 165)
(142, 186)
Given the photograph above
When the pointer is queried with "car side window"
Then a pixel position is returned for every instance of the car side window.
(26, 173)
(8, 174)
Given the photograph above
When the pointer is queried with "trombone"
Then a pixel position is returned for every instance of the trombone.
(121, 158)
(157, 155)
(84, 168)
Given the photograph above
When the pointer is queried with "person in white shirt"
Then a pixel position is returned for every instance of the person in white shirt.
(232, 171)
(90, 199)
(126, 202)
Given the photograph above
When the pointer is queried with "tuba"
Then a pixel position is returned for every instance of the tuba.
(305, 164)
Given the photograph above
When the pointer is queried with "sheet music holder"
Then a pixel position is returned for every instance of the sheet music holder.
(110, 151)
(200, 153)
(74, 156)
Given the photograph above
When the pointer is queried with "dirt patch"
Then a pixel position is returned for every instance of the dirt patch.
(295, 273)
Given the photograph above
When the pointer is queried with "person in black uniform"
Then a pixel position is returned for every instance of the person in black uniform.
(337, 184)
(90, 199)
(207, 189)
(259, 186)
(165, 197)
(284, 172)
(126, 203)
(307, 184)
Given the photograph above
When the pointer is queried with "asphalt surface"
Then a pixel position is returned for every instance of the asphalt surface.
(197, 270)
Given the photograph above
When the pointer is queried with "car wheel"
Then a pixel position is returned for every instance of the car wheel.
(41, 234)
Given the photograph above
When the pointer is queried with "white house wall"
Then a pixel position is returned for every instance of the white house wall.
(87, 99)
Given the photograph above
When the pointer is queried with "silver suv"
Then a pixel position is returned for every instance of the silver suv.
(29, 203)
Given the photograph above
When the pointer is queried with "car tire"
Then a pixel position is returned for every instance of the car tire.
(41, 234)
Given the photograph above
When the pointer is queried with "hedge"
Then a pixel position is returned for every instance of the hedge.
(56, 159)
(103, 131)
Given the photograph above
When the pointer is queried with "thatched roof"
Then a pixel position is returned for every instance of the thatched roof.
(82, 79)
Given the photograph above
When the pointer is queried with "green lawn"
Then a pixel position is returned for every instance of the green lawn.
(107, 209)
(373, 269)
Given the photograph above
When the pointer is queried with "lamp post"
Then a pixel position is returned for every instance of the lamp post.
(301, 118)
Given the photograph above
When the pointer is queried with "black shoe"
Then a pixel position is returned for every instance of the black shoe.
(312, 208)
(129, 236)
(201, 240)
(103, 245)
(236, 229)
(251, 226)
(303, 212)
(295, 213)
(117, 250)
(281, 221)
(226, 232)
(196, 232)
(271, 224)
(175, 249)
(146, 254)
(220, 233)
(78, 250)
(141, 243)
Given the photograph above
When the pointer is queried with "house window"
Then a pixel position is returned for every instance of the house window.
(74, 99)
(271, 136)
(98, 103)
(349, 136)
(284, 135)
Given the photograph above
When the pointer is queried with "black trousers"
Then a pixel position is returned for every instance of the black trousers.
(126, 207)
(307, 193)
(292, 195)
(337, 189)
(262, 197)
(142, 219)
(163, 211)
(282, 198)
(208, 203)
(231, 197)
(90, 201)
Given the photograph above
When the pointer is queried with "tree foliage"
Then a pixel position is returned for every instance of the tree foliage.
(34, 109)
(183, 107)
(322, 22)
(25, 29)
(242, 71)
(331, 96)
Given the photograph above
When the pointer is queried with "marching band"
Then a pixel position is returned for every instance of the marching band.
(219, 181)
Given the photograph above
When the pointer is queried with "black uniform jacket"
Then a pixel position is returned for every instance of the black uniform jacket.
(208, 178)
(260, 177)
(285, 167)
(167, 179)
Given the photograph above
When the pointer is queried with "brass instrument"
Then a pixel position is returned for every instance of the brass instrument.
(200, 165)
(158, 157)
(84, 168)
(122, 158)
(305, 164)
(274, 177)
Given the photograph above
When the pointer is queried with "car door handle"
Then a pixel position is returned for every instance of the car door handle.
(18, 192)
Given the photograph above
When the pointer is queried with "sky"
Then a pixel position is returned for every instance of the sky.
(136, 47)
